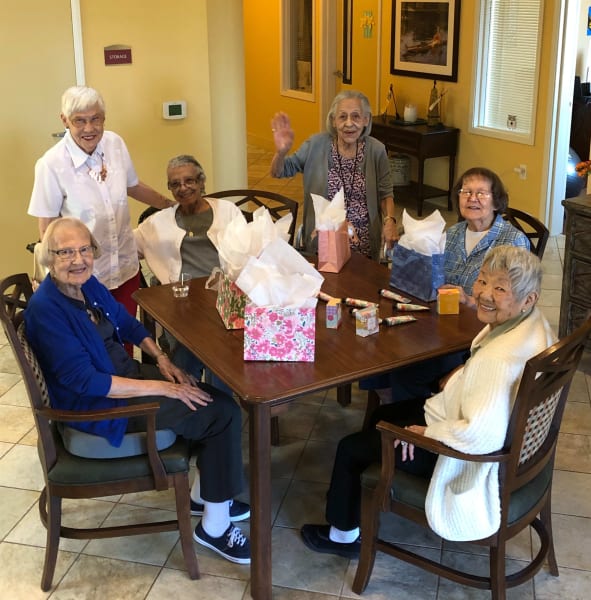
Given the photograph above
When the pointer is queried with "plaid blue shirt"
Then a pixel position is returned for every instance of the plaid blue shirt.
(461, 269)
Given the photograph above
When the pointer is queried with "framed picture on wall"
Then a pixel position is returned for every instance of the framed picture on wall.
(425, 39)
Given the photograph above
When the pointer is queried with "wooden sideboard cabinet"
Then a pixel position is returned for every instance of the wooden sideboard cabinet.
(575, 304)
(421, 142)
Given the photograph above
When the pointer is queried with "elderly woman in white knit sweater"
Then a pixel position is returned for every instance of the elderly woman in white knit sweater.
(471, 414)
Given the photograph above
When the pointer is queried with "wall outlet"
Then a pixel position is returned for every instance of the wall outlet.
(511, 121)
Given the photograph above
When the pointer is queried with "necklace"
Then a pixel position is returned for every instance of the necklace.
(349, 181)
(101, 175)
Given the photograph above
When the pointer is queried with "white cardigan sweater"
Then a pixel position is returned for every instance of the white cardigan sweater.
(472, 415)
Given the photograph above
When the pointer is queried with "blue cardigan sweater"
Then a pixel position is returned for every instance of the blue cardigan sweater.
(72, 354)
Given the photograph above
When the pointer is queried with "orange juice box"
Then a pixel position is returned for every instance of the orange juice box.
(448, 301)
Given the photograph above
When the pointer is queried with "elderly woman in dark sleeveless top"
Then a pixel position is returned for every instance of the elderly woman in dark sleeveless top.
(174, 241)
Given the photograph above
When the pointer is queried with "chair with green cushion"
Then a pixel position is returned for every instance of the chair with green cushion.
(140, 467)
(525, 478)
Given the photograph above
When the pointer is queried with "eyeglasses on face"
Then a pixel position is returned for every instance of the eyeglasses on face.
(80, 122)
(70, 253)
(480, 194)
(190, 182)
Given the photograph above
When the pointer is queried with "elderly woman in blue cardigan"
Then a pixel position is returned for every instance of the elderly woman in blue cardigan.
(345, 156)
(77, 330)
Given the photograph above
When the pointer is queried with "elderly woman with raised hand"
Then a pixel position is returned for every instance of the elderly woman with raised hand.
(175, 241)
(88, 174)
(470, 414)
(345, 156)
(74, 313)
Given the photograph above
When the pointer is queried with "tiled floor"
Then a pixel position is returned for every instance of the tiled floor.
(151, 567)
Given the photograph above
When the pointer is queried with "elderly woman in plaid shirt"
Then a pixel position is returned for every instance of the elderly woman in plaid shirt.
(481, 201)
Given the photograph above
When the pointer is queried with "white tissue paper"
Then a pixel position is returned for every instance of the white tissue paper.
(329, 214)
(425, 236)
(280, 276)
(236, 240)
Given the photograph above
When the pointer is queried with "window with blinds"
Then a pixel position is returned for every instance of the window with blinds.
(297, 49)
(506, 69)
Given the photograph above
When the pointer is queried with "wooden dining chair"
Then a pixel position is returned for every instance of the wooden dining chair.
(69, 476)
(534, 229)
(526, 463)
(249, 200)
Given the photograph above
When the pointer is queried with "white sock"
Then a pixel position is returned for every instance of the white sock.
(216, 517)
(196, 489)
(343, 537)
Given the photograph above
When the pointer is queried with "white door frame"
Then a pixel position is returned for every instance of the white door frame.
(559, 121)
(77, 38)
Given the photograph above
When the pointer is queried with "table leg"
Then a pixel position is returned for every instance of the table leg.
(344, 394)
(259, 418)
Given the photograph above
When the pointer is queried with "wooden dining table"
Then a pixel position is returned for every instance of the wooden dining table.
(342, 357)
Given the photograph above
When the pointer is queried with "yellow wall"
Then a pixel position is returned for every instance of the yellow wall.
(262, 34)
(169, 52)
(262, 52)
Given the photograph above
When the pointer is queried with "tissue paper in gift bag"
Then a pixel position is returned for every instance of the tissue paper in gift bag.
(279, 334)
(333, 249)
(230, 303)
(417, 274)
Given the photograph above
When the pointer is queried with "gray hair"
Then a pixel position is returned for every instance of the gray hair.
(187, 159)
(47, 258)
(523, 268)
(349, 95)
(80, 98)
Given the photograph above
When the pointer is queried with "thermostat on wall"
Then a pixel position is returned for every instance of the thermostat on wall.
(176, 109)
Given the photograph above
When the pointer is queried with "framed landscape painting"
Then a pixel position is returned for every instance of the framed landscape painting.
(425, 39)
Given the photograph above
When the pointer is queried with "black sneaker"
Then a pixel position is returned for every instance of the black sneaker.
(232, 544)
(238, 510)
(316, 538)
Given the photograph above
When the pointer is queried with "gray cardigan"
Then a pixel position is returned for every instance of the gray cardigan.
(312, 159)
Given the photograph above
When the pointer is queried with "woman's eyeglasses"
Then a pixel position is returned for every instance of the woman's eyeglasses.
(190, 182)
(70, 253)
(480, 194)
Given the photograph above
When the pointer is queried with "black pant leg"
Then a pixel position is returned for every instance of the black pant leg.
(357, 451)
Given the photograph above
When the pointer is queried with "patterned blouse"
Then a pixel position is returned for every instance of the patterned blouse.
(346, 173)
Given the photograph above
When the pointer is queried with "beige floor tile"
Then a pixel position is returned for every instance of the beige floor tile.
(571, 541)
(393, 578)
(21, 568)
(571, 584)
(580, 390)
(176, 584)
(571, 493)
(16, 395)
(335, 422)
(316, 462)
(20, 468)
(15, 422)
(576, 418)
(15, 503)
(304, 503)
(7, 381)
(573, 453)
(295, 566)
(7, 361)
(98, 578)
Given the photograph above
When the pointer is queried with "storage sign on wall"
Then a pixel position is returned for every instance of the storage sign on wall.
(117, 55)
